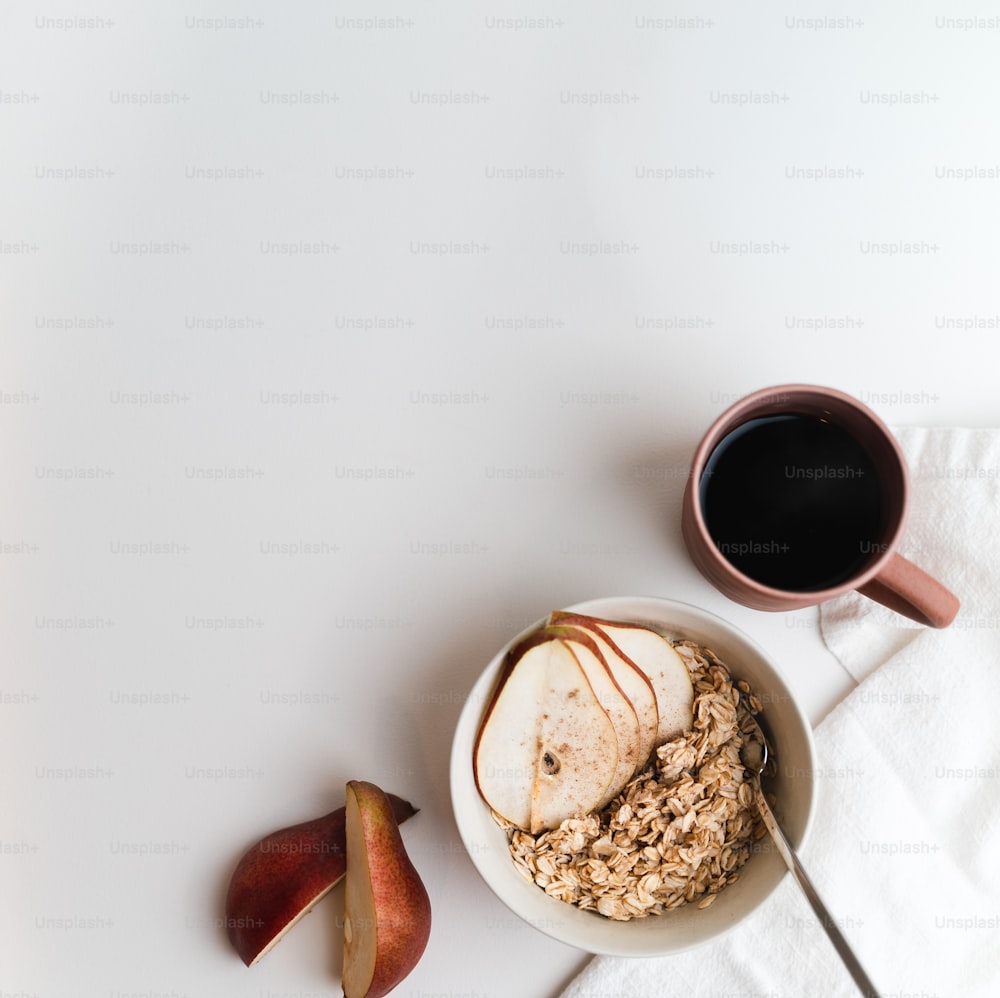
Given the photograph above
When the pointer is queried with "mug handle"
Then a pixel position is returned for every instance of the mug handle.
(909, 590)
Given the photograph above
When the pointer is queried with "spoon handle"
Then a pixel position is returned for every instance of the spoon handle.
(844, 951)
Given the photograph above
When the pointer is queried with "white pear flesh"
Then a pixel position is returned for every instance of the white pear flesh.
(577, 745)
(618, 708)
(507, 749)
(631, 680)
(547, 749)
(657, 657)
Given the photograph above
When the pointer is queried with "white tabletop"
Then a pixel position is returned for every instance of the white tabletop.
(340, 344)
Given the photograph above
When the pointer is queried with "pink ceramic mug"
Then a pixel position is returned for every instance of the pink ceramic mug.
(773, 530)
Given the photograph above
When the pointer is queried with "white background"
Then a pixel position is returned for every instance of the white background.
(342, 341)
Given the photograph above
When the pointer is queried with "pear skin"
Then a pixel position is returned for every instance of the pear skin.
(387, 912)
(281, 877)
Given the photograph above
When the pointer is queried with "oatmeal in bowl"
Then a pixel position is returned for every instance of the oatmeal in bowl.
(676, 834)
(613, 843)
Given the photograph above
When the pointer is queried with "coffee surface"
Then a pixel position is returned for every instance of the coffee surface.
(793, 501)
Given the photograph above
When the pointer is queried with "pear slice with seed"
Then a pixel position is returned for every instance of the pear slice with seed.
(631, 680)
(546, 749)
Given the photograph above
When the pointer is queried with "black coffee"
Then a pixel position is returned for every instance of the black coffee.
(793, 502)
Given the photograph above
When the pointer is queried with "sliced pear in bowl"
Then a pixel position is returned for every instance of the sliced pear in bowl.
(616, 705)
(653, 654)
(546, 749)
(578, 709)
(636, 686)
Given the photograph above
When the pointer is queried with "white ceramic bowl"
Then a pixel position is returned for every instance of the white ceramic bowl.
(683, 927)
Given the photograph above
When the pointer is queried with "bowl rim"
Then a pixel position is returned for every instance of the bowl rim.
(625, 608)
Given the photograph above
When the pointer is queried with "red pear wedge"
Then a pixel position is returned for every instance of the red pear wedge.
(387, 913)
(279, 879)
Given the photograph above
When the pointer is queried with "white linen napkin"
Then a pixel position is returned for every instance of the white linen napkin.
(905, 847)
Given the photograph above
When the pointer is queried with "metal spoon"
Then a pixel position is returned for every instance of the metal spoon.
(755, 756)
